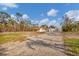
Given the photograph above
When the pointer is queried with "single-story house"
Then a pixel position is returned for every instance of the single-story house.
(49, 29)
(42, 30)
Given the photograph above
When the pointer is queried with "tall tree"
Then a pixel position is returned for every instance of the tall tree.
(3, 20)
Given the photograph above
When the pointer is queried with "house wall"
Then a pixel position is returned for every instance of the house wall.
(51, 30)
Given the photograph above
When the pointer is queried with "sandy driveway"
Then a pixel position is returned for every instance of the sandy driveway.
(47, 44)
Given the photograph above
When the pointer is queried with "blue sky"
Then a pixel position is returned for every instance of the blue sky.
(40, 13)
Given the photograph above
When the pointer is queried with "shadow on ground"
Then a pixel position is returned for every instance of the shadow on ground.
(31, 43)
(2, 50)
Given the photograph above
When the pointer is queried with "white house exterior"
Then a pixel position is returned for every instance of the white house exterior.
(51, 29)
(41, 30)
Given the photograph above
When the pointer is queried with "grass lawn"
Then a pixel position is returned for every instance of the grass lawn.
(11, 36)
(71, 46)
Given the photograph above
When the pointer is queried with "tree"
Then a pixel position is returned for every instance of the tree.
(68, 24)
(3, 20)
(23, 23)
(10, 24)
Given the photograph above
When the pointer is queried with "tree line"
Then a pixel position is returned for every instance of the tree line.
(11, 24)
(70, 25)
(17, 23)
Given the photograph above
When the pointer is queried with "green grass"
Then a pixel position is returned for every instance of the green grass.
(71, 32)
(11, 36)
(72, 46)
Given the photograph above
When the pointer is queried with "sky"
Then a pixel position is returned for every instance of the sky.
(42, 13)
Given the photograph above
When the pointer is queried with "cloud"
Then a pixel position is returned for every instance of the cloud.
(59, 19)
(52, 12)
(55, 23)
(47, 21)
(52, 22)
(4, 8)
(77, 18)
(25, 16)
(73, 14)
(10, 5)
(35, 21)
(44, 21)
(13, 16)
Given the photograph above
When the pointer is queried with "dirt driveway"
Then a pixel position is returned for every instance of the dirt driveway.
(46, 44)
